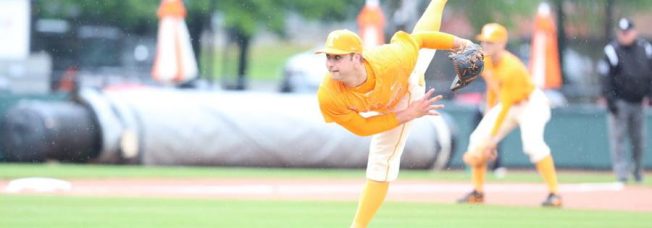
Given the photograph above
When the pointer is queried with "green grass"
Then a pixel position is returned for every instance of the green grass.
(266, 61)
(64, 211)
(57, 170)
(75, 211)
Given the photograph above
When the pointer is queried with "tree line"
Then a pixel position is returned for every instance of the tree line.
(243, 18)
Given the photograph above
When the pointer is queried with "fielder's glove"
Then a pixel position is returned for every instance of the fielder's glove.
(480, 155)
(468, 64)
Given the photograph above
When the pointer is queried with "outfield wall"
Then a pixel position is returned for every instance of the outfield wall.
(577, 136)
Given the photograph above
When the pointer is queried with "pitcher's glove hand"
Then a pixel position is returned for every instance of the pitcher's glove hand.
(468, 64)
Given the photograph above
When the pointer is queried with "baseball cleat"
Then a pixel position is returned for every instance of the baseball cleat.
(473, 197)
(553, 200)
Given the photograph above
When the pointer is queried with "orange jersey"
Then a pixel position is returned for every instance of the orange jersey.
(388, 69)
(491, 93)
(513, 83)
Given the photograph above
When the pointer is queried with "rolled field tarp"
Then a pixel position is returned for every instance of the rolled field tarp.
(36, 131)
(153, 126)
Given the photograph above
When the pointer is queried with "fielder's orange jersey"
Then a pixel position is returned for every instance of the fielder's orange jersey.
(388, 69)
(491, 93)
(514, 83)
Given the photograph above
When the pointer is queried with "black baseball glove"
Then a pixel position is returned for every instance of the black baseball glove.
(468, 64)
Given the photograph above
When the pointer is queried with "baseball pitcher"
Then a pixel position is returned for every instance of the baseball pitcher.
(378, 91)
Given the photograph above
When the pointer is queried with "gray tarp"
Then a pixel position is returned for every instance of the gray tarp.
(189, 127)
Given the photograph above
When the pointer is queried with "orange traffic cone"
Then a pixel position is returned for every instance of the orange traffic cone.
(371, 24)
(544, 56)
(174, 62)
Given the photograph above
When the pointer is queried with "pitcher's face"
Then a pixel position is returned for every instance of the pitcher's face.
(341, 66)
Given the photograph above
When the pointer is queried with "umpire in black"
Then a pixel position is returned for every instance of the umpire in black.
(627, 79)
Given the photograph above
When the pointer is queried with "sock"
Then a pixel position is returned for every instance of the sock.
(371, 199)
(546, 168)
(431, 18)
(477, 177)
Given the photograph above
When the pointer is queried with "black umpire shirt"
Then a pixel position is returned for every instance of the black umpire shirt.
(626, 71)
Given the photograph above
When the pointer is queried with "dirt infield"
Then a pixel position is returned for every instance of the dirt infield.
(602, 196)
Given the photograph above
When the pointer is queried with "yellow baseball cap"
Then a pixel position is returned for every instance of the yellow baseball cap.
(493, 32)
(340, 42)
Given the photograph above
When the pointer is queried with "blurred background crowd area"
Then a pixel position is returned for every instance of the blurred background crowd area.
(267, 45)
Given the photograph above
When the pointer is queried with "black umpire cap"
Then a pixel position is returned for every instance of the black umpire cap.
(625, 24)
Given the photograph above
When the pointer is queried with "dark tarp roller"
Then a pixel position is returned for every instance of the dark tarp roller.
(34, 131)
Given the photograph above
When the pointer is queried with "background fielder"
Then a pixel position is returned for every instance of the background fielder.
(521, 104)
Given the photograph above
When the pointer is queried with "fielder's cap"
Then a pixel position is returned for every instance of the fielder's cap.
(625, 24)
(493, 32)
(340, 42)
